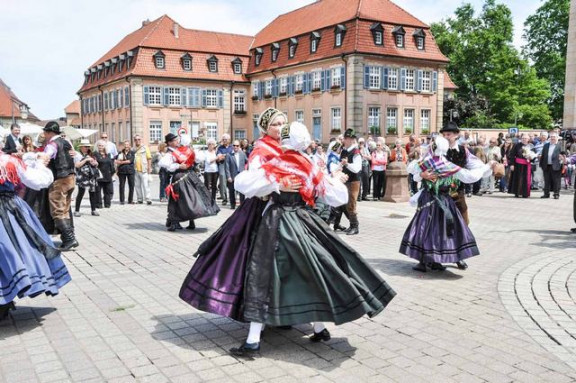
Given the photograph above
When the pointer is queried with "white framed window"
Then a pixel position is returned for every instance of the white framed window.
(425, 120)
(213, 66)
(335, 76)
(194, 128)
(336, 119)
(187, 64)
(258, 59)
(374, 77)
(275, 54)
(154, 94)
(211, 130)
(420, 43)
(338, 41)
(426, 81)
(284, 85)
(391, 119)
(211, 98)
(316, 79)
(159, 61)
(268, 91)
(239, 101)
(155, 131)
(175, 127)
(256, 89)
(237, 68)
(120, 132)
(316, 112)
(399, 40)
(408, 120)
(409, 79)
(240, 134)
(374, 117)
(174, 96)
(299, 116)
(392, 78)
(299, 82)
(313, 45)
(378, 37)
(292, 50)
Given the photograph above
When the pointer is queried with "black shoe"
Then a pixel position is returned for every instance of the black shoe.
(437, 266)
(545, 196)
(122, 203)
(365, 199)
(67, 234)
(247, 350)
(284, 327)
(322, 335)
(340, 228)
(352, 231)
(421, 267)
(178, 226)
(233, 207)
(191, 226)
(140, 202)
(172, 228)
(95, 213)
(168, 223)
(5, 310)
(462, 265)
(225, 202)
(148, 202)
(573, 230)
(556, 196)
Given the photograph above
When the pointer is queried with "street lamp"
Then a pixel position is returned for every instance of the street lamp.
(453, 113)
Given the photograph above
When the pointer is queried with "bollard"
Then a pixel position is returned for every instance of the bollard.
(396, 183)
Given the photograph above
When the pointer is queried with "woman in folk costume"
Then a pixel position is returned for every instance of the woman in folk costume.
(29, 262)
(188, 198)
(438, 233)
(215, 283)
(299, 271)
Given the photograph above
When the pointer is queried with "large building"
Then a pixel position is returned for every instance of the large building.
(12, 109)
(334, 64)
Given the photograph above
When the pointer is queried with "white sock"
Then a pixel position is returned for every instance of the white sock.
(254, 332)
(318, 327)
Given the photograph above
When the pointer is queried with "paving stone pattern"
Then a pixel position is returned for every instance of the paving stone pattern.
(508, 318)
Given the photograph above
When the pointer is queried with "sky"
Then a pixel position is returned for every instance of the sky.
(46, 45)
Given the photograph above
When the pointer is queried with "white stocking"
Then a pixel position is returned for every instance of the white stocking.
(254, 332)
(318, 327)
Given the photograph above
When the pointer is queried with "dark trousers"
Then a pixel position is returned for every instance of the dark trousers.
(365, 178)
(210, 181)
(232, 194)
(412, 184)
(106, 188)
(379, 178)
(552, 180)
(164, 182)
(122, 179)
(476, 186)
(80, 195)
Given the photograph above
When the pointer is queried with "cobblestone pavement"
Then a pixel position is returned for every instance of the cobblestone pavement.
(509, 318)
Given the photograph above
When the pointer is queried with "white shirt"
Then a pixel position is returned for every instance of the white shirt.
(551, 152)
(356, 164)
(111, 149)
(209, 160)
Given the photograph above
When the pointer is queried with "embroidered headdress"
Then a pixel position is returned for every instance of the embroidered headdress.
(267, 117)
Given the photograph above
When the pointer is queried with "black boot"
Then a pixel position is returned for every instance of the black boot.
(353, 230)
(322, 335)
(462, 265)
(337, 226)
(421, 267)
(246, 350)
(67, 234)
(174, 226)
(191, 225)
(5, 310)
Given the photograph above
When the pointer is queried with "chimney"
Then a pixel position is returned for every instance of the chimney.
(175, 30)
(145, 22)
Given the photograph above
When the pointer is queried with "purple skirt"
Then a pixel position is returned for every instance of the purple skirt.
(431, 237)
(215, 284)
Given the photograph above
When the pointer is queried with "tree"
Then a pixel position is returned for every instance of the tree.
(494, 81)
(546, 35)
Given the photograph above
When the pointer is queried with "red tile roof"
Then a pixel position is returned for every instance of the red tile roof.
(325, 13)
(73, 108)
(448, 83)
(10, 103)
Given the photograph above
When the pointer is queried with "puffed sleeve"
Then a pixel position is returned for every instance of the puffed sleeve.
(36, 176)
(167, 162)
(335, 192)
(469, 176)
(254, 183)
(414, 169)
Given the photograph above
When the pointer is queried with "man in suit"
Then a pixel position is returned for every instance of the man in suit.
(234, 164)
(13, 141)
(551, 166)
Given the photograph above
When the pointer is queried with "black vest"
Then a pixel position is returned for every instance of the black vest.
(63, 165)
(350, 156)
(458, 158)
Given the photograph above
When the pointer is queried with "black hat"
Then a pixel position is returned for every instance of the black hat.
(52, 126)
(350, 133)
(169, 137)
(450, 127)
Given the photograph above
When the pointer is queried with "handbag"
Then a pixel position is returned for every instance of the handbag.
(99, 175)
(499, 170)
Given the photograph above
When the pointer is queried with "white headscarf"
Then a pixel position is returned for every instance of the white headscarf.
(296, 137)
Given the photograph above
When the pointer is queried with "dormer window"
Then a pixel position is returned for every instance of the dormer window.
(212, 64)
(314, 41)
(377, 33)
(186, 62)
(399, 34)
(114, 62)
(257, 56)
(106, 68)
(159, 60)
(275, 48)
(292, 45)
(339, 33)
(420, 39)
(237, 66)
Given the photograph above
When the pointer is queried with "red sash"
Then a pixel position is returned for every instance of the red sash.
(9, 169)
(266, 148)
(183, 155)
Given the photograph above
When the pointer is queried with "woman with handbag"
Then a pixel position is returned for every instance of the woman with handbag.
(86, 174)
(106, 168)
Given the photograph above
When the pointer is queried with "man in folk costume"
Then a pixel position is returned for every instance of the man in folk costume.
(460, 156)
(351, 160)
(188, 198)
(215, 283)
(60, 193)
(298, 270)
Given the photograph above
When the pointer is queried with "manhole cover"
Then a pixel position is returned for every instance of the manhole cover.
(397, 216)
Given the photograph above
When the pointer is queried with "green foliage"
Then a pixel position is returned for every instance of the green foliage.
(546, 35)
(495, 83)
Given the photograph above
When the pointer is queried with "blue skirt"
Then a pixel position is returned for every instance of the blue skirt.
(29, 263)
(433, 237)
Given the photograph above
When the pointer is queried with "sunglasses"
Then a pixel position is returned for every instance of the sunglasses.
(236, 145)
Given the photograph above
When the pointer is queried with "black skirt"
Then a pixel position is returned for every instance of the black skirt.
(194, 200)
